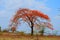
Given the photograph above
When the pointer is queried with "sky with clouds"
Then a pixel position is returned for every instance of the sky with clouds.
(49, 7)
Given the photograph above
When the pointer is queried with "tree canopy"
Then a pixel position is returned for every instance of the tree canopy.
(31, 17)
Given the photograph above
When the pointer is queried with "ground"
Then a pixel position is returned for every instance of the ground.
(14, 36)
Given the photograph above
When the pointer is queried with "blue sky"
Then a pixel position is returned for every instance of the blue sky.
(49, 7)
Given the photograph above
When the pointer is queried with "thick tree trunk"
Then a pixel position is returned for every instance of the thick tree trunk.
(31, 28)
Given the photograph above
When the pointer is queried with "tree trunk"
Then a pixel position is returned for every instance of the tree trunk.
(31, 28)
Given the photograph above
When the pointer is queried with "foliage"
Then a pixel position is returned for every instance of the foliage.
(5, 30)
(0, 28)
(42, 32)
(21, 33)
(55, 32)
(13, 29)
(29, 16)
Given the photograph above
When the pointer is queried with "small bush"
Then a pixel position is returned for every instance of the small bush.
(5, 30)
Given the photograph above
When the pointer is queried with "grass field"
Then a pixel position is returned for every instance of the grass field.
(12, 36)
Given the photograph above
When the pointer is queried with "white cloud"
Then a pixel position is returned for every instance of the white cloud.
(45, 8)
(57, 17)
(12, 5)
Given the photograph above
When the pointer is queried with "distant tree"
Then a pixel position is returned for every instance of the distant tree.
(0, 28)
(5, 30)
(41, 27)
(29, 16)
(55, 32)
(42, 31)
(13, 29)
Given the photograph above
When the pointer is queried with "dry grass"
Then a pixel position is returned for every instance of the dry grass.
(12, 36)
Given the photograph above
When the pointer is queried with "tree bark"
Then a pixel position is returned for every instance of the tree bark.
(31, 28)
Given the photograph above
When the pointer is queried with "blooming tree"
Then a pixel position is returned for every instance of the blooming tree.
(29, 16)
